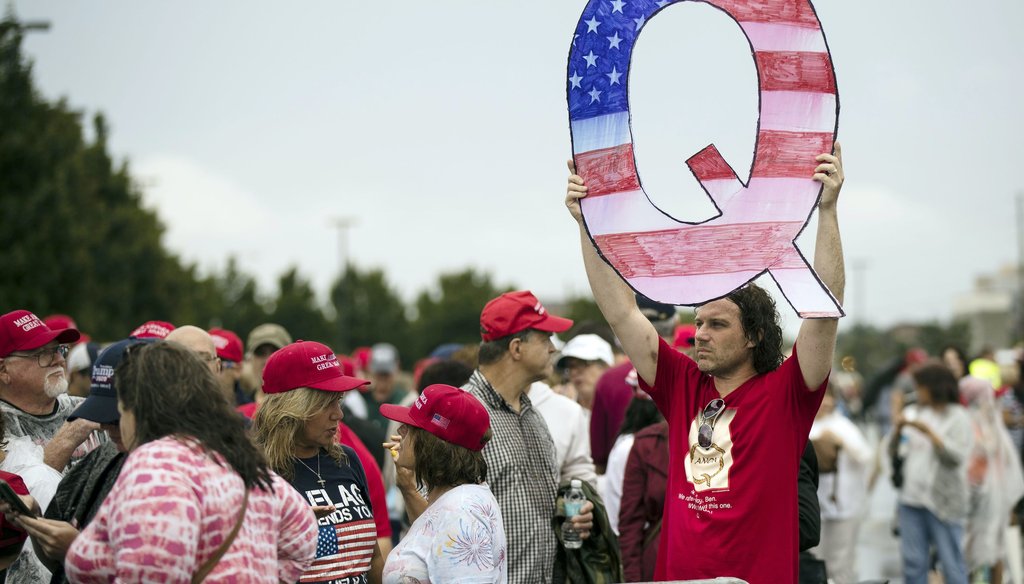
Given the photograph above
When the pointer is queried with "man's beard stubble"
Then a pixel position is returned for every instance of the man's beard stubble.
(55, 385)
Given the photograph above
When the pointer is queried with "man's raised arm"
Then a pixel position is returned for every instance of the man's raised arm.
(816, 342)
(613, 296)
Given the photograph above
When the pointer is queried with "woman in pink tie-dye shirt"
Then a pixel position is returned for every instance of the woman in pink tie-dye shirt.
(183, 488)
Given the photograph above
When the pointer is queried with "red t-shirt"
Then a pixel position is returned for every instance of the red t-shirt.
(731, 509)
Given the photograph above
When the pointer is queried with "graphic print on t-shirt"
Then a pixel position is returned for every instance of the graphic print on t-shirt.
(708, 468)
(347, 537)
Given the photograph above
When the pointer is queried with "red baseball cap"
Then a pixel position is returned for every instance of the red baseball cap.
(685, 337)
(515, 312)
(447, 412)
(306, 364)
(23, 331)
(229, 345)
(63, 321)
(154, 329)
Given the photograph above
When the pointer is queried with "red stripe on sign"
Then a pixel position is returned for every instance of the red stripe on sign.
(793, 12)
(789, 154)
(795, 71)
(608, 170)
(702, 249)
(708, 164)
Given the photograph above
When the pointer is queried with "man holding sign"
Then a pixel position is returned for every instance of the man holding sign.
(738, 414)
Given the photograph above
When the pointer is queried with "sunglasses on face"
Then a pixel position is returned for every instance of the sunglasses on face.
(707, 421)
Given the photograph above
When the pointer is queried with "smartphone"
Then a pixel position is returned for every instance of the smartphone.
(7, 495)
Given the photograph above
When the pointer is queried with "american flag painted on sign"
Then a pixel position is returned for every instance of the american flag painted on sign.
(342, 551)
(680, 262)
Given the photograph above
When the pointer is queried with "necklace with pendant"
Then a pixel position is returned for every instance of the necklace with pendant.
(319, 478)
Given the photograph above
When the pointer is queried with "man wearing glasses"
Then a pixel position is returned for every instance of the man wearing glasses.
(738, 415)
(199, 342)
(33, 387)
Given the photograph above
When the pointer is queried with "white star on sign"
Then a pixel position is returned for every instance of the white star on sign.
(614, 76)
(613, 41)
(592, 24)
(591, 59)
(617, 6)
(639, 22)
(662, 3)
(575, 79)
(595, 95)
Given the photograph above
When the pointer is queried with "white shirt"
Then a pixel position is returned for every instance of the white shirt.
(459, 538)
(843, 494)
(569, 425)
(609, 485)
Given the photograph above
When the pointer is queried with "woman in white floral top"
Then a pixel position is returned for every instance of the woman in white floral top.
(460, 535)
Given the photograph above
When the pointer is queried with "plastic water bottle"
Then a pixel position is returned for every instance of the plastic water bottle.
(574, 500)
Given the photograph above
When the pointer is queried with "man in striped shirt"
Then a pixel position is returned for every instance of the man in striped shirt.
(521, 470)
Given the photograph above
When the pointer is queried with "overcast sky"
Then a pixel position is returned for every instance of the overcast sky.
(441, 129)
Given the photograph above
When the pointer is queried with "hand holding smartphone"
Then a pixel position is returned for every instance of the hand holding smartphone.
(7, 495)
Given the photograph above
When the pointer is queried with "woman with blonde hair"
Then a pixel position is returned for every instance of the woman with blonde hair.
(195, 499)
(296, 426)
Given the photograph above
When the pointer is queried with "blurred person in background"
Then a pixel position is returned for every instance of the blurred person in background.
(195, 497)
(297, 428)
(384, 388)
(231, 352)
(459, 536)
(262, 342)
(845, 460)
(640, 414)
(81, 356)
(934, 437)
(584, 359)
(995, 480)
(200, 343)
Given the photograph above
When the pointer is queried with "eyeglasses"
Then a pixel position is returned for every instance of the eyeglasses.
(46, 356)
(208, 358)
(707, 421)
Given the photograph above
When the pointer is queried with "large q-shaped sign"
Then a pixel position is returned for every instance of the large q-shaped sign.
(681, 262)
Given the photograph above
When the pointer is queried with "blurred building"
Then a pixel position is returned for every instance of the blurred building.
(992, 309)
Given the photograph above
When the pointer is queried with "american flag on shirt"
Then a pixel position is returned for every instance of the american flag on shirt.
(342, 551)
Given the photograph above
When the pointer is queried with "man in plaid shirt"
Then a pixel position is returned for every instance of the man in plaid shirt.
(521, 469)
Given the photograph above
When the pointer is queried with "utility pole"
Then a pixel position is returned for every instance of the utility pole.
(343, 225)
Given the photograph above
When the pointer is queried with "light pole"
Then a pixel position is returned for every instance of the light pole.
(342, 224)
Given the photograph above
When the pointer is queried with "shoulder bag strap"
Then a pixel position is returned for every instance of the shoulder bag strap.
(211, 563)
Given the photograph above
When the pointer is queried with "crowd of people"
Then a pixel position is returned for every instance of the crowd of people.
(180, 454)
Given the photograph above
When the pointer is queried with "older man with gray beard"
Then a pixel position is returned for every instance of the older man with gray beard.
(33, 387)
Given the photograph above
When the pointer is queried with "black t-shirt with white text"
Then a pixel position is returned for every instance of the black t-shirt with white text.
(348, 535)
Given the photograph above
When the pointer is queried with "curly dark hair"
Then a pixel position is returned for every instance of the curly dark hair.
(172, 393)
(443, 464)
(760, 320)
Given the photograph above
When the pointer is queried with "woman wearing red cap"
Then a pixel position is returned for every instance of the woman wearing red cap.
(460, 536)
(297, 428)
